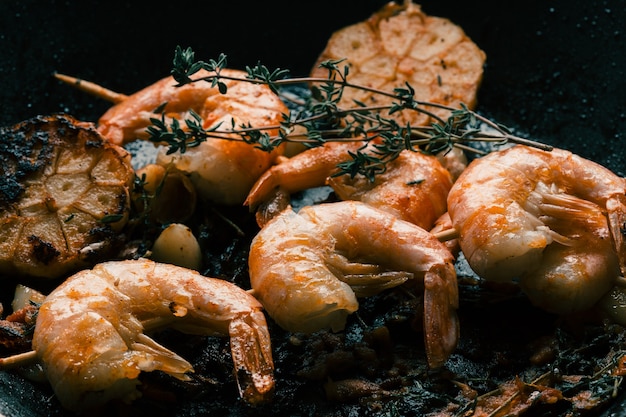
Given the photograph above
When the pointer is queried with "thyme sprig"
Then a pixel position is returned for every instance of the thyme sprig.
(325, 120)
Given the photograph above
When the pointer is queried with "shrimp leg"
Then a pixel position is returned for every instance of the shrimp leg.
(616, 207)
(304, 268)
(90, 333)
(551, 220)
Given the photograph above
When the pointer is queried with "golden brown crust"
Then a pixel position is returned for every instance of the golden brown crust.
(65, 196)
(400, 44)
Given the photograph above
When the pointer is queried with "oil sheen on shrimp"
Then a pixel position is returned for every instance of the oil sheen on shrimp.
(222, 170)
(550, 219)
(90, 330)
(308, 268)
(414, 186)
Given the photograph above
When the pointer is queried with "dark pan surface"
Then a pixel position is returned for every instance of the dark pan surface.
(555, 69)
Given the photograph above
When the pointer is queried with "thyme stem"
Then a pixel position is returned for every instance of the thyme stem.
(324, 121)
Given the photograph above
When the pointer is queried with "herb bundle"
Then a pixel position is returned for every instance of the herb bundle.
(323, 120)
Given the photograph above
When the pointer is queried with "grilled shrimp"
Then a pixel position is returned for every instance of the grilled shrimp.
(222, 170)
(64, 196)
(307, 169)
(414, 186)
(308, 268)
(90, 337)
(400, 44)
(550, 219)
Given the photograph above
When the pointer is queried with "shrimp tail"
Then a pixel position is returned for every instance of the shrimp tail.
(616, 208)
(306, 170)
(262, 189)
(252, 355)
(441, 324)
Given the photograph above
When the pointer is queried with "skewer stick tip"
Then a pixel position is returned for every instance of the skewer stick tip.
(91, 88)
(446, 235)
(20, 359)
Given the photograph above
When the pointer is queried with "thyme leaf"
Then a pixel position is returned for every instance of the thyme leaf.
(111, 218)
(324, 120)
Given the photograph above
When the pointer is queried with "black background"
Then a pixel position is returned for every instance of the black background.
(555, 68)
(554, 72)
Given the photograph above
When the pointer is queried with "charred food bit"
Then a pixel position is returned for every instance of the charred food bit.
(16, 330)
(64, 196)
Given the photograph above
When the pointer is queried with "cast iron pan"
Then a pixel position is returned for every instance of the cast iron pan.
(554, 73)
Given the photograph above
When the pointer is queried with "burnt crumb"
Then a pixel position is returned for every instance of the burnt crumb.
(43, 251)
(224, 234)
(10, 191)
(352, 389)
(16, 330)
(104, 241)
(87, 136)
(38, 138)
(18, 162)
(102, 233)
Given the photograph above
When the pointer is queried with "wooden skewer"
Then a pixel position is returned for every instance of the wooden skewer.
(21, 359)
(92, 88)
(26, 358)
(446, 235)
